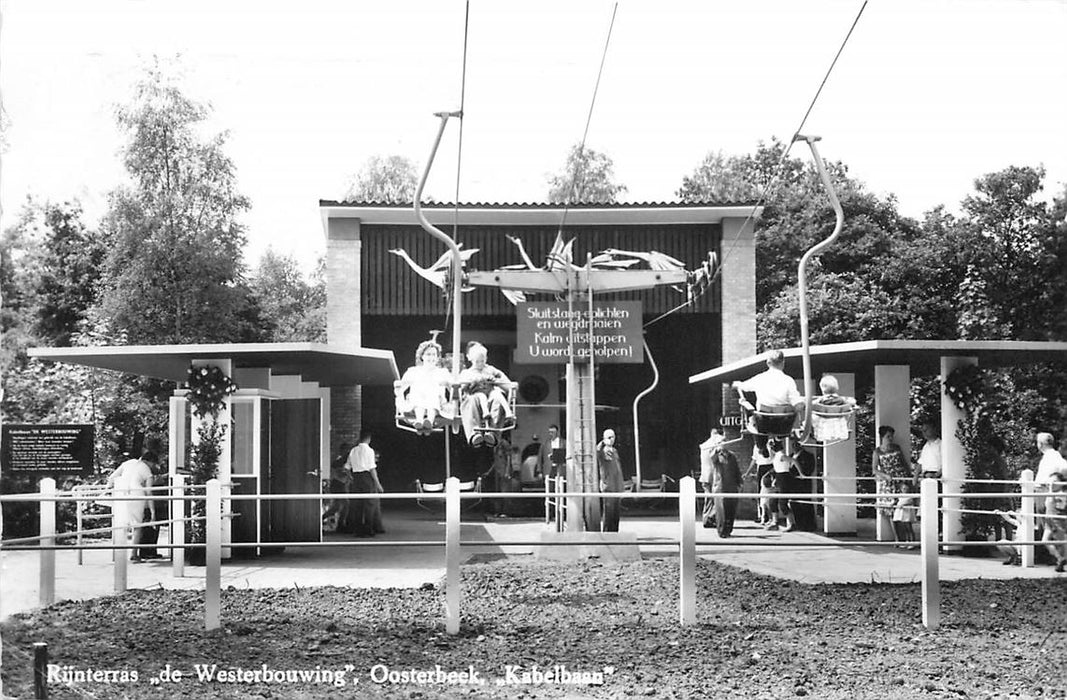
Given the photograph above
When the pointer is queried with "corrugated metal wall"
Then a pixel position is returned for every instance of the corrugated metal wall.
(391, 288)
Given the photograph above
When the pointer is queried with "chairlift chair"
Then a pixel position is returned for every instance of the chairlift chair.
(830, 423)
(511, 390)
(434, 505)
(404, 417)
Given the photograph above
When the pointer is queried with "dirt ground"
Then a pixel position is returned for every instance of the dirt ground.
(532, 629)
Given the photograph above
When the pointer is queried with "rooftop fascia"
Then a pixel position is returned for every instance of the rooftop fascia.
(542, 216)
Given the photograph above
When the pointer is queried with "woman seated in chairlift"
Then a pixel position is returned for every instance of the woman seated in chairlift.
(423, 388)
(485, 404)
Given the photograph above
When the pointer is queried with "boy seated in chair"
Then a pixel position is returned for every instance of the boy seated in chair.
(829, 419)
(485, 403)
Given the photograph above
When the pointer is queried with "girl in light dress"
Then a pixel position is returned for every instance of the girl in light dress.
(423, 388)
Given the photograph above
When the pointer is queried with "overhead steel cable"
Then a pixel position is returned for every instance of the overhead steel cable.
(775, 180)
(578, 170)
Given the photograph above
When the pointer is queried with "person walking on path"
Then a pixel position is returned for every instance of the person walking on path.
(365, 514)
(134, 478)
(719, 474)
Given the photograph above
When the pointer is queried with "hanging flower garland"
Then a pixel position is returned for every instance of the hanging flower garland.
(208, 388)
(966, 387)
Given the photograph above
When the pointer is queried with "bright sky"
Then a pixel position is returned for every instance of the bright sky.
(928, 95)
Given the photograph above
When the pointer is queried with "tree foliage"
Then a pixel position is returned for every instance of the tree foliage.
(173, 272)
(291, 307)
(391, 179)
(587, 177)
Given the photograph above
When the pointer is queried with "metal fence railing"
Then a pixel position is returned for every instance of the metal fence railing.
(216, 494)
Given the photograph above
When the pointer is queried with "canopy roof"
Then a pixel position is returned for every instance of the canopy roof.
(922, 356)
(315, 362)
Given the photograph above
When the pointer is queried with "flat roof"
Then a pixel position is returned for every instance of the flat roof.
(922, 356)
(541, 214)
(315, 362)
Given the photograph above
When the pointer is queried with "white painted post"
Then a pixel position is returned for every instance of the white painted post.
(452, 588)
(213, 579)
(953, 468)
(120, 511)
(177, 526)
(79, 511)
(687, 551)
(1028, 506)
(931, 586)
(47, 588)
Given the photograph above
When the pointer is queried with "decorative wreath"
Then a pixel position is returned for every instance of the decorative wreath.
(208, 388)
(966, 387)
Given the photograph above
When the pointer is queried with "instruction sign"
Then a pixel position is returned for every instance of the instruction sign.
(546, 332)
(48, 449)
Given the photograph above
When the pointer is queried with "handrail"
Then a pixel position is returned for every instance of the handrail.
(802, 278)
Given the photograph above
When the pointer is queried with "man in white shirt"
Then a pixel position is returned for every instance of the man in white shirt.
(772, 387)
(930, 457)
(365, 514)
(134, 478)
(1051, 460)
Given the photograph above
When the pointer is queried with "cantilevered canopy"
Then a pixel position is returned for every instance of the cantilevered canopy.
(314, 362)
(923, 356)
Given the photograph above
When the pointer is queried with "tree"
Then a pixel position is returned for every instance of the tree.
(1015, 282)
(173, 273)
(292, 308)
(393, 179)
(797, 214)
(587, 177)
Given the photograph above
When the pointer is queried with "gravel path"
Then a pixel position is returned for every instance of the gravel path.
(611, 627)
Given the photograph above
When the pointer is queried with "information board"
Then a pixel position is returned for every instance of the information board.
(48, 449)
(547, 330)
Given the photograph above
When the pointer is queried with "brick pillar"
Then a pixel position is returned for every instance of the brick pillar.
(738, 318)
(344, 321)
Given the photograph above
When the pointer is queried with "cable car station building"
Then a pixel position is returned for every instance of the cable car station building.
(376, 299)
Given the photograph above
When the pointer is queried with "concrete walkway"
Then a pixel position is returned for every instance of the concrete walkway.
(349, 564)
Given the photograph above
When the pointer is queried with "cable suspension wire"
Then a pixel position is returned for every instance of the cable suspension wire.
(459, 148)
(578, 170)
(775, 181)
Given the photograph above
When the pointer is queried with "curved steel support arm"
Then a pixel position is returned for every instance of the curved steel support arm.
(637, 400)
(802, 276)
(457, 263)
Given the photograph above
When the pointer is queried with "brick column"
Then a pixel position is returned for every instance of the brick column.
(738, 258)
(344, 327)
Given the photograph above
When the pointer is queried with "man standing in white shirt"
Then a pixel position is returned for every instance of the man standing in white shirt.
(134, 478)
(365, 514)
(929, 463)
(1051, 460)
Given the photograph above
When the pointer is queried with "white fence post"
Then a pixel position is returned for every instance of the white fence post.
(687, 551)
(177, 527)
(47, 517)
(1027, 526)
(79, 512)
(120, 514)
(213, 560)
(931, 586)
(452, 587)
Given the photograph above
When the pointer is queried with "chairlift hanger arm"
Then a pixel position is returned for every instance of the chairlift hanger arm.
(802, 276)
(599, 281)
